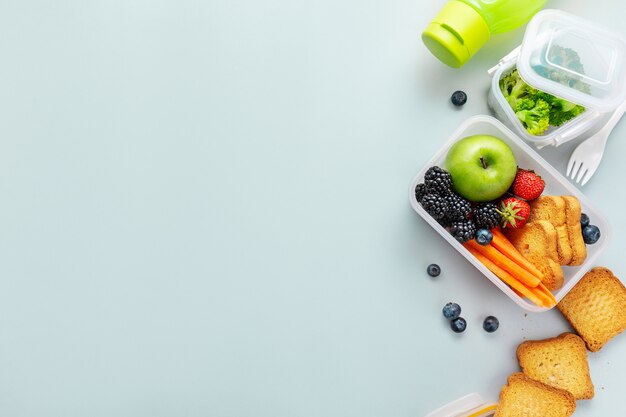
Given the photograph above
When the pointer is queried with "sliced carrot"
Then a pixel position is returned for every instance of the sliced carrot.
(548, 294)
(545, 300)
(505, 276)
(519, 294)
(505, 263)
(505, 246)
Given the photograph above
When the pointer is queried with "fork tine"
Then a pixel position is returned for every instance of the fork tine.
(589, 174)
(575, 167)
(570, 166)
(586, 178)
(581, 174)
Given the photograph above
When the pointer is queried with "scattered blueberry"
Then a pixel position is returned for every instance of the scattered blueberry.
(584, 220)
(458, 325)
(458, 98)
(491, 324)
(484, 236)
(591, 234)
(433, 270)
(451, 311)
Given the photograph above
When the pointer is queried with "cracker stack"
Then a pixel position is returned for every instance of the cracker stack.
(523, 396)
(560, 362)
(596, 307)
(537, 242)
(574, 230)
(552, 237)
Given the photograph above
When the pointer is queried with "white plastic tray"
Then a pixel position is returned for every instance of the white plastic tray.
(556, 184)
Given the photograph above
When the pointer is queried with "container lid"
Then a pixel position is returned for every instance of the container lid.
(471, 405)
(574, 59)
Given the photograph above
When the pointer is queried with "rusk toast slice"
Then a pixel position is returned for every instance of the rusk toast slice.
(560, 362)
(537, 242)
(574, 231)
(552, 209)
(596, 307)
(525, 397)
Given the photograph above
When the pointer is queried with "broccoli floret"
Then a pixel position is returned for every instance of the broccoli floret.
(535, 119)
(569, 59)
(559, 116)
(566, 58)
(514, 88)
(536, 109)
(525, 104)
(562, 111)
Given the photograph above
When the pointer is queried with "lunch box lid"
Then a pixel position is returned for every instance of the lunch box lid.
(471, 405)
(574, 59)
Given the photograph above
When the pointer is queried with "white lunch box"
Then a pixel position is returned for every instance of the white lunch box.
(556, 184)
(603, 55)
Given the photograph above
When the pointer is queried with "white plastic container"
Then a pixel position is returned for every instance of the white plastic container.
(603, 55)
(471, 405)
(556, 184)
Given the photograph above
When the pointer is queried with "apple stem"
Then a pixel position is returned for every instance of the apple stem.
(483, 163)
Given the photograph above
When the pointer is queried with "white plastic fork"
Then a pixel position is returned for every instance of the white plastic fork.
(587, 156)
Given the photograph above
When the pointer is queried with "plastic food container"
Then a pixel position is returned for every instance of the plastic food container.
(603, 55)
(471, 405)
(556, 184)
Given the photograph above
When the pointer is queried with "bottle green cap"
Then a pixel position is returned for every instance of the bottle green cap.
(456, 34)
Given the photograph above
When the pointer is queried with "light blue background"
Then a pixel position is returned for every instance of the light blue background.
(204, 213)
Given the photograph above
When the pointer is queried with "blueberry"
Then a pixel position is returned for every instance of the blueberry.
(458, 98)
(483, 236)
(458, 325)
(584, 220)
(433, 270)
(451, 311)
(491, 324)
(591, 234)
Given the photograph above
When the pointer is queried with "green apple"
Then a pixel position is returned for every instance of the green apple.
(482, 167)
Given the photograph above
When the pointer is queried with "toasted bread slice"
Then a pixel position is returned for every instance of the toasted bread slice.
(537, 242)
(574, 231)
(596, 307)
(560, 362)
(525, 397)
(552, 209)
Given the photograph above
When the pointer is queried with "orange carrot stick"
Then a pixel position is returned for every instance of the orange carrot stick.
(519, 294)
(505, 246)
(505, 276)
(545, 300)
(548, 294)
(505, 263)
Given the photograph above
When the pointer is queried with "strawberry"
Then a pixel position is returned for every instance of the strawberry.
(514, 212)
(527, 184)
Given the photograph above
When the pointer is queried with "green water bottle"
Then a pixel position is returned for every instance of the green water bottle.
(462, 27)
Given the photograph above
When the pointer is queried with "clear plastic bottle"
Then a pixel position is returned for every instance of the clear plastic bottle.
(462, 27)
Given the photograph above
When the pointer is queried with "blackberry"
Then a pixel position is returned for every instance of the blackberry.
(486, 216)
(435, 205)
(420, 192)
(444, 222)
(437, 180)
(458, 207)
(463, 230)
